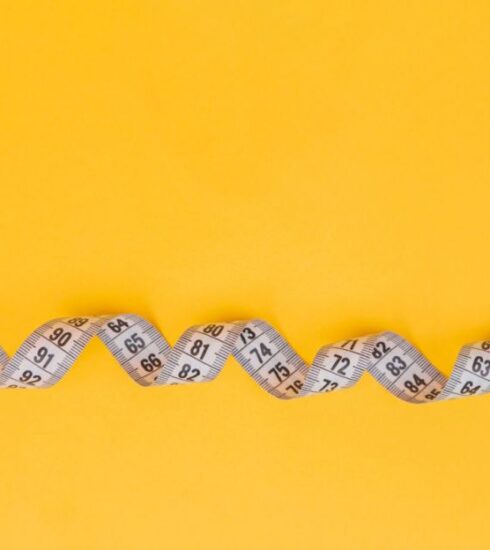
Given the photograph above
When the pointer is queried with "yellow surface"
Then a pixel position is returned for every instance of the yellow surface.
(323, 165)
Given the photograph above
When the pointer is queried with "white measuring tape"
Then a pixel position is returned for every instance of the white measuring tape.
(201, 352)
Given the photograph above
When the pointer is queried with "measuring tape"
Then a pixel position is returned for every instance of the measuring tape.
(201, 352)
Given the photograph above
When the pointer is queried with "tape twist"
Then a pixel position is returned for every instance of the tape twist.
(201, 352)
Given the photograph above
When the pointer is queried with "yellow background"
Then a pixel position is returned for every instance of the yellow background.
(323, 165)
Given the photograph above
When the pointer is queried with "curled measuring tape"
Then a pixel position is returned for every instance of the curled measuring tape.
(201, 352)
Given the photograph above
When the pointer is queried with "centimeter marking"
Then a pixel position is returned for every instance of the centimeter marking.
(202, 351)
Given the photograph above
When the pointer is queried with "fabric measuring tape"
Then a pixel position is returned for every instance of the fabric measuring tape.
(202, 350)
